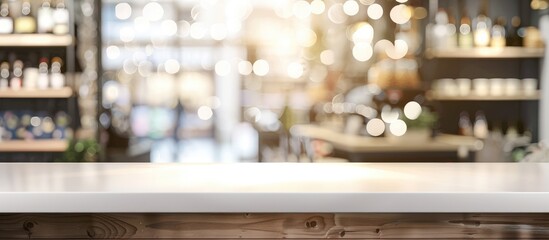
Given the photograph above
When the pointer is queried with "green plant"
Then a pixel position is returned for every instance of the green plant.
(426, 120)
(81, 151)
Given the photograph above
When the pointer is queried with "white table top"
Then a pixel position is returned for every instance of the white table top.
(274, 187)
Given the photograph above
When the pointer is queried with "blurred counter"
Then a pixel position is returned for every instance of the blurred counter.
(442, 148)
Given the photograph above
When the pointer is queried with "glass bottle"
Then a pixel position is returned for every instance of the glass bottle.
(43, 77)
(482, 26)
(451, 36)
(16, 80)
(465, 125)
(465, 34)
(4, 75)
(498, 33)
(57, 79)
(480, 130)
(6, 22)
(61, 18)
(25, 23)
(45, 17)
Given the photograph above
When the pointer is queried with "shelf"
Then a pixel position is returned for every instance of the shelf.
(65, 92)
(47, 145)
(35, 40)
(506, 52)
(436, 97)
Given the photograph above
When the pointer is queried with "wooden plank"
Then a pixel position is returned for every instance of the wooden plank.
(251, 226)
(487, 52)
(35, 40)
(47, 145)
(64, 92)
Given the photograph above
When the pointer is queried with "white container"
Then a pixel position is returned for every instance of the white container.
(529, 86)
(447, 87)
(464, 86)
(497, 86)
(30, 78)
(481, 86)
(512, 86)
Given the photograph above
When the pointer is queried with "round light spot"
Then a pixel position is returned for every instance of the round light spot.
(398, 128)
(400, 14)
(398, 51)
(153, 11)
(223, 68)
(412, 110)
(351, 7)
(261, 67)
(364, 33)
(317, 7)
(295, 70)
(375, 127)
(205, 113)
(336, 14)
(218, 32)
(245, 67)
(184, 28)
(172, 66)
(306, 37)
(389, 115)
(327, 57)
(420, 13)
(113, 52)
(169, 27)
(35, 121)
(362, 52)
(301, 9)
(123, 11)
(198, 30)
(375, 11)
(127, 34)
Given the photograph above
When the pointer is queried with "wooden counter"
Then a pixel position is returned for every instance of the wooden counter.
(344, 200)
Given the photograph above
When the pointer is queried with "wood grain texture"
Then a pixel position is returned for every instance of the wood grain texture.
(272, 226)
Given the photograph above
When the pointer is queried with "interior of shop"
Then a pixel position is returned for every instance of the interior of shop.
(225, 81)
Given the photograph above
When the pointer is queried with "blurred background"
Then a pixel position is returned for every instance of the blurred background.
(274, 81)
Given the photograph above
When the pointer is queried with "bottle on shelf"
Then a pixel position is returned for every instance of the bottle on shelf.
(440, 30)
(482, 26)
(465, 125)
(465, 33)
(17, 79)
(451, 36)
(6, 21)
(498, 39)
(480, 129)
(4, 75)
(514, 37)
(25, 23)
(45, 17)
(43, 80)
(61, 18)
(57, 79)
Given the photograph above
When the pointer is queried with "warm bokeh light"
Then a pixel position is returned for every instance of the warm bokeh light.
(261, 67)
(153, 11)
(362, 52)
(245, 67)
(412, 110)
(123, 11)
(400, 14)
(327, 57)
(375, 11)
(351, 7)
(375, 127)
(223, 68)
(398, 128)
(318, 7)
